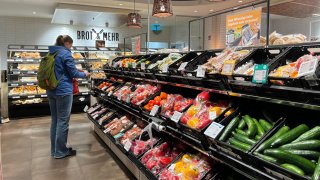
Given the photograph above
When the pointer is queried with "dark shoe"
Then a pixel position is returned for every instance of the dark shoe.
(71, 153)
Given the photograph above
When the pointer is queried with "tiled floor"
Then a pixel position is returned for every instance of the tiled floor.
(26, 153)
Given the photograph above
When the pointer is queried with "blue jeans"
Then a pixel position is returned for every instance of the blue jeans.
(60, 107)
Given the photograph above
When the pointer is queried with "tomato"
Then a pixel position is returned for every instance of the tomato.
(151, 102)
(156, 102)
(184, 119)
(177, 107)
(163, 95)
(158, 98)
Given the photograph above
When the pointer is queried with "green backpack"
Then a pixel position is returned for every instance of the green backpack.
(46, 75)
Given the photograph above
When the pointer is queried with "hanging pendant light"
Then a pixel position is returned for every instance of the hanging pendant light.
(134, 19)
(162, 8)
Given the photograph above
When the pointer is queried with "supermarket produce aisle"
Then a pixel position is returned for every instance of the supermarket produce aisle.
(26, 153)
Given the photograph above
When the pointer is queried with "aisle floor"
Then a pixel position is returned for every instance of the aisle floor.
(25, 152)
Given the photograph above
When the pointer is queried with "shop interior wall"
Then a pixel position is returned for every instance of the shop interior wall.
(37, 31)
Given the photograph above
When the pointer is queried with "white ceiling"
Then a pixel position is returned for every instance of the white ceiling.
(82, 11)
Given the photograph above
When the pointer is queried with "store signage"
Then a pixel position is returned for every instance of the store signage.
(136, 41)
(213, 130)
(176, 116)
(308, 68)
(201, 72)
(228, 67)
(260, 74)
(183, 66)
(98, 35)
(154, 110)
(243, 29)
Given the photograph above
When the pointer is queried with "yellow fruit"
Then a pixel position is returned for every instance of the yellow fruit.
(186, 158)
(193, 122)
(216, 109)
(178, 167)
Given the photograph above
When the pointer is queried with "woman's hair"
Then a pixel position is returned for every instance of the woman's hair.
(63, 39)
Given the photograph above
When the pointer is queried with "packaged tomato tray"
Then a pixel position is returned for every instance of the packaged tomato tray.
(159, 157)
(130, 135)
(117, 126)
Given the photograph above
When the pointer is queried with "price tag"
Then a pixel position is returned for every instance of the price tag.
(30, 72)
(109, 94)
(14, 84)
(182, 66)
(213, 130)
(128, 98)
(106, 131)
(81, 60)
(31, 96)
(119, 95)
(15, 97)
(154, 110)
(95, 116)
(16, 72)
(85, 93)
(143, 66)
(19, 60)
(29, 60)
(104, 88)
(228, 67)
(115, 65)
(200, 72)
(212, 115)
(30, 84)
(127, 145)
(44, 95)
(84, 82)
(307, 68)
(85, 109)
(10, 60)
(127, 64)
(176, 116)
(102, 95)
(100, 121)
(165, 68)
(82, 99)
(134, 65)
(260, 73)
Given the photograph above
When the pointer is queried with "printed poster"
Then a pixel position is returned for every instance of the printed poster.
(136, 45)
(243, 29)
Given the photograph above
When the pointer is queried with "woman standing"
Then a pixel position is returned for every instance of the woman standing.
(61, 98)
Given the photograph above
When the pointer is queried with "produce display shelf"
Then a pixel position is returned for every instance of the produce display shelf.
(218, 155)
(307, 105)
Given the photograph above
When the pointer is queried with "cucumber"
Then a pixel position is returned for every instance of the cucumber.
(239, 131)
(314, 133)
(316, 174)
(290, 136)
(252, 128)
(293, 168)
(267, 158)
(305, 153)
(305, 164)
(265, 124)
(257, 137)
(242, 124)
(303, 145)
(240, 145)
(260, 130)
(231, 126)
(243, 139)
(266, 144)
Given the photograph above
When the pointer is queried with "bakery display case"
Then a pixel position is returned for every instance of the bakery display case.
(23, 62)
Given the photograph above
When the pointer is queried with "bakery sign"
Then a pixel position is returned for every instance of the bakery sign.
(98, 34)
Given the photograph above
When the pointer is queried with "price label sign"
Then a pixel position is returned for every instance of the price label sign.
(30, 84)
(15, 97)
(165, 68)
(29, 60)
(143, 66)
(109, 94)
(176, 116)
(228, 67)
(85, 93)
(134, 65)
(104, 88)
(14, 85)
(85, 109)
(154, 110)
(212, 115)
(119, 95)
(44, 95)
(95, 116)
(127, 145)
(127, 64)
(30, 72)
(128, 98)
(213, 130)
(183, 66)
(201, 72)
(32, 96)
(106, 131)
(308, 68)
(100, 121)
(115, 65)
(260, 74)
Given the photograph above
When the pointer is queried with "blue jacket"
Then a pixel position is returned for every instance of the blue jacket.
(64, 66)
